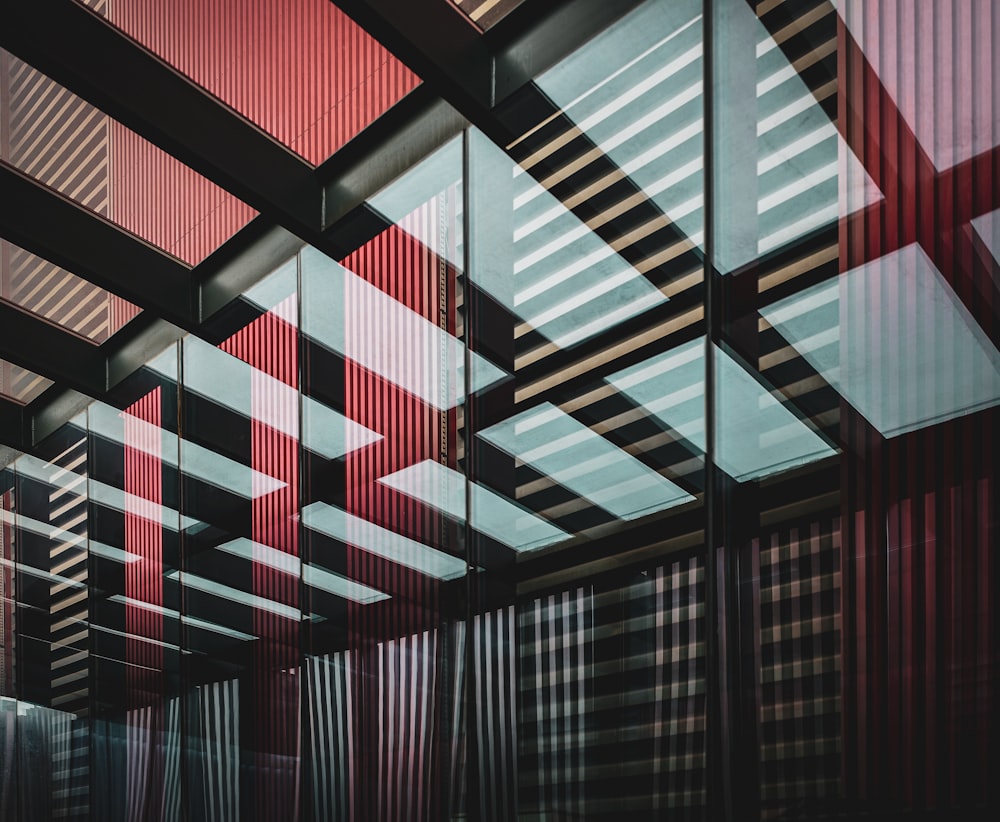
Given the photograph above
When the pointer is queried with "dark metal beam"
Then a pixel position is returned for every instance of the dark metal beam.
(240, 264)
(50, 412)
(53, 353)
(57, 229)
(411, 130)
(83, 52)
(539, 35)
(13, 429)
(438, 42)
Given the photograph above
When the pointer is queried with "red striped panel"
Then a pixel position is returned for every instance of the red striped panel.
(413, 431)
(144, 582)
(270, 344)
(300, 69)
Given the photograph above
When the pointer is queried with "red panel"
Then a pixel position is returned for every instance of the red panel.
(163, 201)
(300, 69)
(412, 431)
(270, 344)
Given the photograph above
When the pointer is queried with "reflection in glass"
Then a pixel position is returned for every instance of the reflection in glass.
(901, 377)
(557, 445)
(395, 342)
(494, 515)
(374, 539)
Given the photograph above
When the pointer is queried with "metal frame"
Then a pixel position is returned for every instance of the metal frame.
(465, 72)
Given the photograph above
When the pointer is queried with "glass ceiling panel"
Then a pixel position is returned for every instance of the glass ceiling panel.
(48, 291)
(486, 13)
(20, 384)
(56, 138)
(301, 70)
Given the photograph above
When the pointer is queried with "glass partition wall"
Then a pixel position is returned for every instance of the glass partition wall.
(641, 464)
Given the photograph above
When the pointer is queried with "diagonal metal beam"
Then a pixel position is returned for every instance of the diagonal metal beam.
(84, 53)
(50, 351)
(47, 224)
(537, 36)
(475, 71)
(438, 42)
(408, 132)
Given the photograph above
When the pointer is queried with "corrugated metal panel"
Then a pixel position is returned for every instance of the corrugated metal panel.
(163, 201)
(920, 509)
(55, 137)
(270, 344)
(300, 69)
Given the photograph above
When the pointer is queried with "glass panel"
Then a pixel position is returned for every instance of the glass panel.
(44, 289)
(46, 609)
(485, 13)
(301, 70)
(20, 384)
(66, 144)
(420, 533)
(587, 460)
(383, 346)
(855, 200)
(136, 634)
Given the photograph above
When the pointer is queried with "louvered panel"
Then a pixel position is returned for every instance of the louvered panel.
(607, 208)
(67, 144)
(69, 614)
(57, 138)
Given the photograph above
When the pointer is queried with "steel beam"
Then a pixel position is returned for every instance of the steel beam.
(69, 235)
(438, 42)
(50, 351)
(87, 55)
(13, 430)
(408, 132)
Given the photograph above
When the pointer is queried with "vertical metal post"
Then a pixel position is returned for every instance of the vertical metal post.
(718, 783)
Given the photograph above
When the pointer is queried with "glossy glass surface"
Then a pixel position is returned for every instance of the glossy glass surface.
(643, 466)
